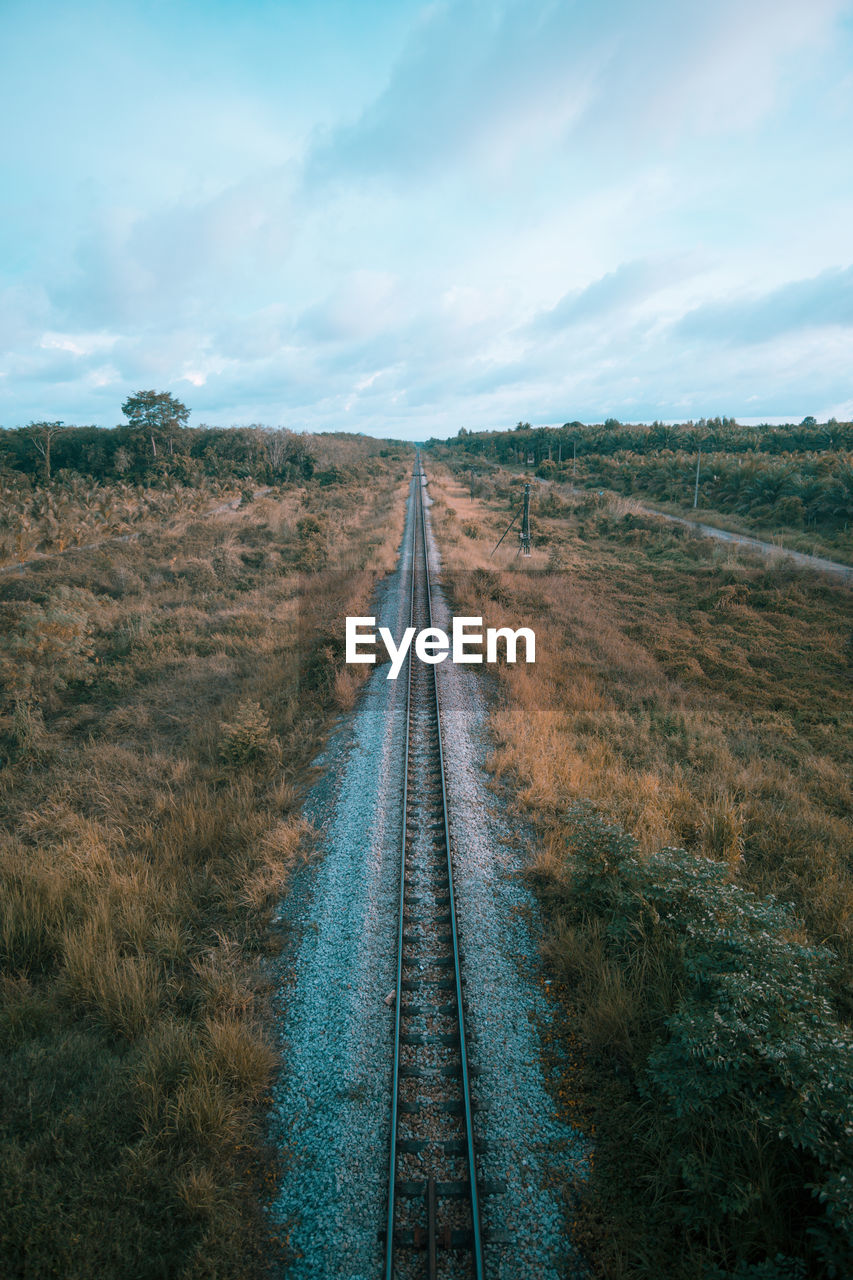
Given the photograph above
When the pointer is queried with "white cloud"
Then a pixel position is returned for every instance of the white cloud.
(499, 86)
(365, 303)
(78, 344)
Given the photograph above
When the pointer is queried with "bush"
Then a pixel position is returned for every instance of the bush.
(744, 1063)
(247, 738)
(45, 646)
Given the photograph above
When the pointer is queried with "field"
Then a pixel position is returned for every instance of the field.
(162, 697)
(678, 763)
(682, 749)
(790, 485)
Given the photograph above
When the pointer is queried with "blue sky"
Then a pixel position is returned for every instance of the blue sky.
(403, 218)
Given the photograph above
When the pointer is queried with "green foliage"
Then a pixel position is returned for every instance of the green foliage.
(157, 443)
(745, 1065)
(42, 435)
(778, 1268)
(156, 415)
(799, 477)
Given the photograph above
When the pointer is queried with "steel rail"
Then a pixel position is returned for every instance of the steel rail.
(477, 1244)
(395, 1086)
(463, 1048)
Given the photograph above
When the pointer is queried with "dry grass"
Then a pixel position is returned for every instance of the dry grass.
(48, 521)
(697, 698)
(155, 744)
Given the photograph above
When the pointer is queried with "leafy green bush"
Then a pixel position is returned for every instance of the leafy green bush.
(745, 1067)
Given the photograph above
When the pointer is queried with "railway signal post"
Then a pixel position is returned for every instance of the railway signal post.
(524, 536)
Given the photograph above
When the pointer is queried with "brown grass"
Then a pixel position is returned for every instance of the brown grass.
(154, 748)
(699, 699)
(703, 706)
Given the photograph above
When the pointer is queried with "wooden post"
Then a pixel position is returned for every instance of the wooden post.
(524, 536)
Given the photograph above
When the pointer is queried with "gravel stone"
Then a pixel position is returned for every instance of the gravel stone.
(331, 1112)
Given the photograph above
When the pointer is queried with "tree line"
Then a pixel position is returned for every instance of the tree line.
(155, 442)
(719, 435)
(796, 476)
(806, 491)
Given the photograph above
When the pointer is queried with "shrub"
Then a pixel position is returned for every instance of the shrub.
(47, 645)
(744, 1063)
(312, 552)
(247, 738)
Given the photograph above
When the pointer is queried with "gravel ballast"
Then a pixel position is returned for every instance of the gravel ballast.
(332, 1105)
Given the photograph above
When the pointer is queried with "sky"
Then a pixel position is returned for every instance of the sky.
(403, 218)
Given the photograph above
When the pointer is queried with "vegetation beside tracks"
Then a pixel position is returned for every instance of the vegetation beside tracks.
(792, 484)
(162, 698)
(683, 748)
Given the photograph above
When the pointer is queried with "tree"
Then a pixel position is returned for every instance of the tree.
(42, 435)
(277, 445)
(156, 414)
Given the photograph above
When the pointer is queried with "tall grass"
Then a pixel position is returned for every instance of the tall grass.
(696, 700)
(154, 740)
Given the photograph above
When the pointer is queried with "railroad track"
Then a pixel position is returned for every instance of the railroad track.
(433, 1225)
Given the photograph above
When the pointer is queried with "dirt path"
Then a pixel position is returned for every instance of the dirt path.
(724, 535)
(755, 544)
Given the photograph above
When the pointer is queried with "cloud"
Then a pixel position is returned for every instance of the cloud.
(475, 83)
(24, 310)
(496, 86)
(133, 266)
(502, 209)
(78, 344)
(364, 304)
(629, 284)
(695, 70)
(820, 302)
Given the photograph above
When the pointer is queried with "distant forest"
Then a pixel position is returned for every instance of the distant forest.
(185, 456)
(797, 476)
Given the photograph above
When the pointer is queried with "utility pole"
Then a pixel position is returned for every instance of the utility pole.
(574, 461)
(524, 536)
(696, 489)
(560, 454)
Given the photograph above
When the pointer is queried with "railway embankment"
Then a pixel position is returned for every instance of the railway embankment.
(334, 1105)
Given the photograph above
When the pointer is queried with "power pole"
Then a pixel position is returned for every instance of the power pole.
(696, 489)
(560, 454)
(574, 460)
(524, 536)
